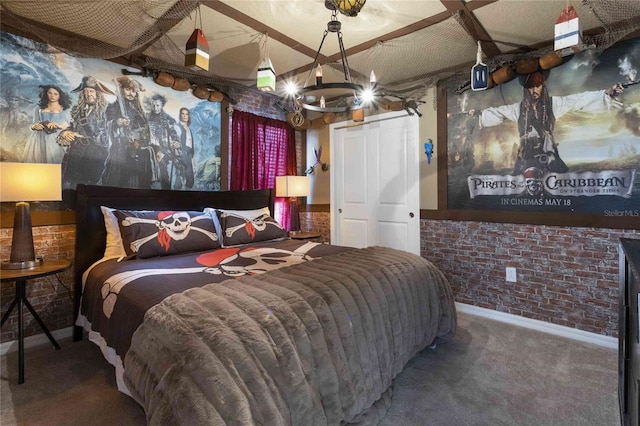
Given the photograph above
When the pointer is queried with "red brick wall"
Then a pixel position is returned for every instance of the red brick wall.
(52, 299)
(566, 276)
(317, 221)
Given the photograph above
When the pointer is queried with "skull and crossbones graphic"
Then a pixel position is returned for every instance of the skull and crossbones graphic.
(171, 226)
(259, 223)
(231, 262)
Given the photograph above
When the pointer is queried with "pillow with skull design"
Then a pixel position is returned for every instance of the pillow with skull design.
(162, 233)
(238, 230)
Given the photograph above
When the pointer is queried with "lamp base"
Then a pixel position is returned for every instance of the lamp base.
(25, 264)
(294, 215)
(22, 252)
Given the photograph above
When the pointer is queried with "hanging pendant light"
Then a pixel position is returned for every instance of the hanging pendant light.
(333, 97)
(266, 74)
(196, 55)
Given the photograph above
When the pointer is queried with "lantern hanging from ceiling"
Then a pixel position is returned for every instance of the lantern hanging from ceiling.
(266, 80)
(348, 7)
(196, 55)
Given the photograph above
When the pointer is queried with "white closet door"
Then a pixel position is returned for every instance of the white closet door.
(375, 183)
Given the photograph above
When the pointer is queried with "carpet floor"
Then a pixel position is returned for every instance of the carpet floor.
(491, 373)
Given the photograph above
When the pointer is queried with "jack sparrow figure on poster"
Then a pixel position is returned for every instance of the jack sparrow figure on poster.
(536, 116)
(131, 161)
(86, 137)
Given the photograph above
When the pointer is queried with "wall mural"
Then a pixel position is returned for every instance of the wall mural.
(105, 128)
(563, 140)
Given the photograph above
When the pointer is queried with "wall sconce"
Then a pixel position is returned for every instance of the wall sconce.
(293, 187)
(23, 182)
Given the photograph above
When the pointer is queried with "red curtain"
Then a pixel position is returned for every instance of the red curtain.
(261, 149)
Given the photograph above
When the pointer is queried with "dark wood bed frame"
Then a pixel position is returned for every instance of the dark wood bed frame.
(91, 233)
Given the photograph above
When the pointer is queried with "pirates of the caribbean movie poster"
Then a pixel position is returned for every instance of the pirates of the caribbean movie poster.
(566, 139)
(102, 126)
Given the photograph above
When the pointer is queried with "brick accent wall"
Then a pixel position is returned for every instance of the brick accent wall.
(52, 299)
(317, 221)
(256, 103)
(566, 276)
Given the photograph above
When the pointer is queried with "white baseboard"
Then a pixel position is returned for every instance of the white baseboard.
(546, 327)
(36, 340)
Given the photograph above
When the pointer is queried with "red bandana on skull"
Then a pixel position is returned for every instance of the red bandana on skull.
(163, 236)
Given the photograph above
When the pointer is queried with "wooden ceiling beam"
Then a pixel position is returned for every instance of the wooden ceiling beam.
(260, 27)
(471, 24)
(169, 19)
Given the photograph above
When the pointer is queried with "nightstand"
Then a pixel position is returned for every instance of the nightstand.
(20, 276)
(301, 235)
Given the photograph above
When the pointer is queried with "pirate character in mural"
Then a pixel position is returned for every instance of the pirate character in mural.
(164, 139)
(186, 149)
(14, 121)
(86, 136)
(131, 161)
(536, 117)
(49, 117)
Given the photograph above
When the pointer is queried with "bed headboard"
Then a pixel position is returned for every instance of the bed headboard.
(91, 233)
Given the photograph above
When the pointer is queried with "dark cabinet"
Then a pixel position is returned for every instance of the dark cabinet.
(629, 333)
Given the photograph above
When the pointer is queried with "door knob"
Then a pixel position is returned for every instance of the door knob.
(339, 210)
(411, 214)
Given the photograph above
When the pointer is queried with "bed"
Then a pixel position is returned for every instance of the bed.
(256, 328)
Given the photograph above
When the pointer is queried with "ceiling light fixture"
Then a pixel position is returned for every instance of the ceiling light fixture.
(349, 7)
(334, 97)
(196, 55)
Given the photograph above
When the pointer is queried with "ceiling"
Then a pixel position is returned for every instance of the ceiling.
(409, 44)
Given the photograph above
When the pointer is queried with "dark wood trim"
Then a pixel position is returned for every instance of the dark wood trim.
(573, 220)
(225, 143)
(42, 218)
(441, 148)
(169, 19)
(316, 208)
(260, 27)
(472, 25)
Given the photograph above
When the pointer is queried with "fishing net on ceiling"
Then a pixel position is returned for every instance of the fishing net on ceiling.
(618, 19)
(138, 27)
(141, 26)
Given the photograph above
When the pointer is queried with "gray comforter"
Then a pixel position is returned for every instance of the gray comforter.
(317, 343)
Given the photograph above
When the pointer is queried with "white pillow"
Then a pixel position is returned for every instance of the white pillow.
(246, 214)
(114, 248)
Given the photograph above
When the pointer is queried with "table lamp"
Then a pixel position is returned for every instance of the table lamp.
(293, 187)
(24, 182)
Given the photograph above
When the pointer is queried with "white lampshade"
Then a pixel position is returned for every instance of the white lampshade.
(30, 182)
(292, 186)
